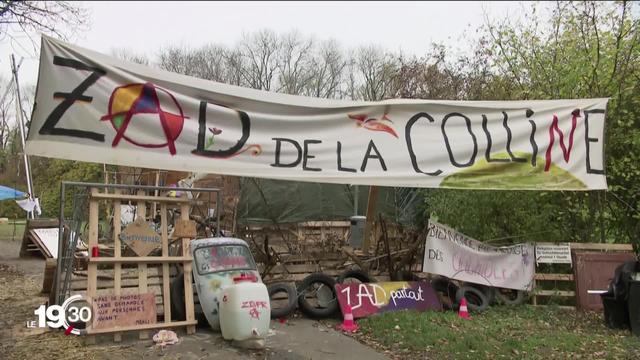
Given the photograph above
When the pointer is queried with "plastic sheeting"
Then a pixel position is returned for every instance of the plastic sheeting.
(9, 193)
(268, 201)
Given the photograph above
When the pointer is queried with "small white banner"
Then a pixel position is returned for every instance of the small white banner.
(553, 254)
(457, 256)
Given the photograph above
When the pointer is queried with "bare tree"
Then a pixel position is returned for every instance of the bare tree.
(259, 51)
(234, 65)
(376, 68)
(293, 63)
(176, 59)
(6, 111)
(209, 63)
(128, 55)
(58, 18)
(326, 70)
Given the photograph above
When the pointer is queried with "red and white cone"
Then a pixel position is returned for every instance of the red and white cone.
(463, 312)
(348, 324)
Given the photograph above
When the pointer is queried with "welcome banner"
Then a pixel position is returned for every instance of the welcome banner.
(91, 107)
(457, 256)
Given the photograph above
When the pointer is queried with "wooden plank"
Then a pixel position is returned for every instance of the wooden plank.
(321, 224)
(534, 298)
(166, 276)
(594, 246)
(562, 293)
(144, 327)
(188, 295)
(141, 213)
(92, 268)
(557, 277)
(117, 252)
(42, 223)
(371, 209)
(143, 198)
(141, 259)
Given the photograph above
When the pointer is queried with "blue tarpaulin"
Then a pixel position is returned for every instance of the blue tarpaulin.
(9, 193)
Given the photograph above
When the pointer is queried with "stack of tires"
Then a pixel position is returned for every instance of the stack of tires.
(478, 297)
(315, 295)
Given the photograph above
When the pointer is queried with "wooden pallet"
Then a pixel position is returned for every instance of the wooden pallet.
(162, 290)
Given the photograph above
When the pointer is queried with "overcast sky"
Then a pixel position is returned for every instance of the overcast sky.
(146, 27)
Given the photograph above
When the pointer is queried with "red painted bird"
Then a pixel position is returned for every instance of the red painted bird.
(374, 124)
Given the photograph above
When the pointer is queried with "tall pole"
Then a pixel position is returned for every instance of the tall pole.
(355, 200)
(27, 165)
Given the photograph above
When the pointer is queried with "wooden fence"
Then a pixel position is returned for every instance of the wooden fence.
(561, 285)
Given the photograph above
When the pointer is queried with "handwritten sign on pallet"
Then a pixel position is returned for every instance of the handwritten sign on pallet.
(111, 311)
(141, 238)
(373, 298)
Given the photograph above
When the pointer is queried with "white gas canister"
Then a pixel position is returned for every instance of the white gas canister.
(245, 310)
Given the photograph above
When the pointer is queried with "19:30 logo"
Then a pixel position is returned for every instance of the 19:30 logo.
(72, 315)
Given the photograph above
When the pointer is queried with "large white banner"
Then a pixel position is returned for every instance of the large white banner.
(457, 256)
(91, 107)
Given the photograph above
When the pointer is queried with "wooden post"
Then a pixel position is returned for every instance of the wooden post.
(166, 286)
(92, 268)
(141, 212)
(155, 193)
(188, 289)
(117, 268)
(371, 209)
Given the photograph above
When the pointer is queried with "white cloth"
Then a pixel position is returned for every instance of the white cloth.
(30, 205)
(145, 117)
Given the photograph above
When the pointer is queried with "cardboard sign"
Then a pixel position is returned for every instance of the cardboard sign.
(454, 255)
(373, 298)
(184, 229)
(111, 311)
(553, 254)
(140, 237)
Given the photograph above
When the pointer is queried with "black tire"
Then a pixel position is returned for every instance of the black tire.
(404, 275)
(510, 297)
(292, 294)
(448, 289)
(476, 300)
(488, 291)
(178, 312)
(358, 274)
(310, 309)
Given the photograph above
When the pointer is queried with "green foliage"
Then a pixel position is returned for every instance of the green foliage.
(48, 174)
(500, 332)
(561, 51)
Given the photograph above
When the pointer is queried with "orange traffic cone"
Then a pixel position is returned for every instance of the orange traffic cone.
(463, 312)
(348, 324)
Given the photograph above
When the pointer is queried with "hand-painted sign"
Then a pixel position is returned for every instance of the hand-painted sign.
(140, 237)
(372, 298)
(457, 256)
(111, 311)
(553, 254)
(95, 108)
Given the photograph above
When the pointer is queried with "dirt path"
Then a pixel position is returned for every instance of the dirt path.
(21, 282)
